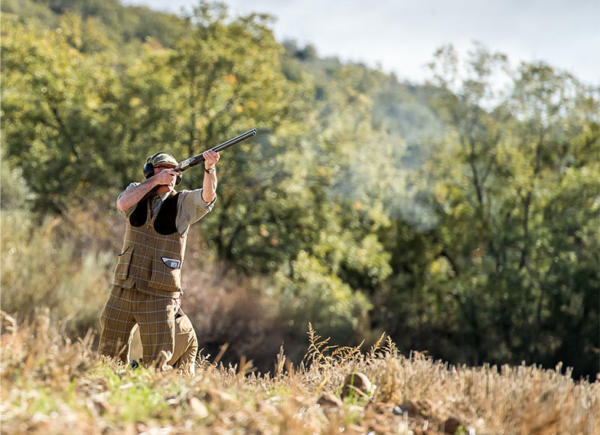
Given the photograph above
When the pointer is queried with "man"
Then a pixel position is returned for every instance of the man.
(147, 279)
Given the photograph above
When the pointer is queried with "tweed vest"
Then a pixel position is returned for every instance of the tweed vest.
(153, 250)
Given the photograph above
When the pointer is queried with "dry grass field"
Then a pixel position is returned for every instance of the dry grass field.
(53, 385)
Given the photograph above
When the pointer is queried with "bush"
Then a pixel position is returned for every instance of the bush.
(41, 270)
(309, 292)
(14, 192)
(232, 311)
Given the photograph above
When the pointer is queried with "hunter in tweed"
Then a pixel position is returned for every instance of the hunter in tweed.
(147, 278)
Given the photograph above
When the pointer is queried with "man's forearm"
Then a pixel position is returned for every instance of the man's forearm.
(134, 195)
(209, 186)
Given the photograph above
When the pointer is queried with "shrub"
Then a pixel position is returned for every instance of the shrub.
(41, 270)
(309, 292)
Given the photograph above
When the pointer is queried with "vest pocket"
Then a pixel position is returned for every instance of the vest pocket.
(123, 264)
(166, 273)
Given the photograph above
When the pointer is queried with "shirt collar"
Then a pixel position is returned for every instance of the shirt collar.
(162, 197)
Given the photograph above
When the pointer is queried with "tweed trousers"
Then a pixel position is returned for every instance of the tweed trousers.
(155, 316)
(186, 345)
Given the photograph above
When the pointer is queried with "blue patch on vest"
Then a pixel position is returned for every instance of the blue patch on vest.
(171, 263)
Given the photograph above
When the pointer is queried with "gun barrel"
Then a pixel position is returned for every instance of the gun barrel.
(193, 161)
(235, 140)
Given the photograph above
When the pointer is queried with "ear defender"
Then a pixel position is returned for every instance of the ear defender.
(148, 170)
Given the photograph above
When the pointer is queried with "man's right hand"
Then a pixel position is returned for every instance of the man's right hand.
(166, 177)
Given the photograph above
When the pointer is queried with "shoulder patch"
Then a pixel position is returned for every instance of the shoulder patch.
(139, 215)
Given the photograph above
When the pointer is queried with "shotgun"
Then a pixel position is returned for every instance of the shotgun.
(193, 161)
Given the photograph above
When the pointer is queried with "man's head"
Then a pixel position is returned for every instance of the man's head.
(159, 162)
(161, 159)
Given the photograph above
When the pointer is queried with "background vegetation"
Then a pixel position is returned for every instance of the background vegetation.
(459, 216)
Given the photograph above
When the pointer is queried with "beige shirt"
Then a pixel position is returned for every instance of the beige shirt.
(190, 207)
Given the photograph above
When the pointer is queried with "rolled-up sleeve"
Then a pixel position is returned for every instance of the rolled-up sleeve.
(127, 212)
(191, 208)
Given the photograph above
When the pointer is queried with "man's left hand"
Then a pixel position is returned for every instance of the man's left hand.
(210, 158)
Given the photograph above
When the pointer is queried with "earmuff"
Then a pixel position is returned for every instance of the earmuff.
(149, 167)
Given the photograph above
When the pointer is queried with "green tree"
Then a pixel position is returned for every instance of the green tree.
(55, 101)
(504, 184)
(226, 79)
